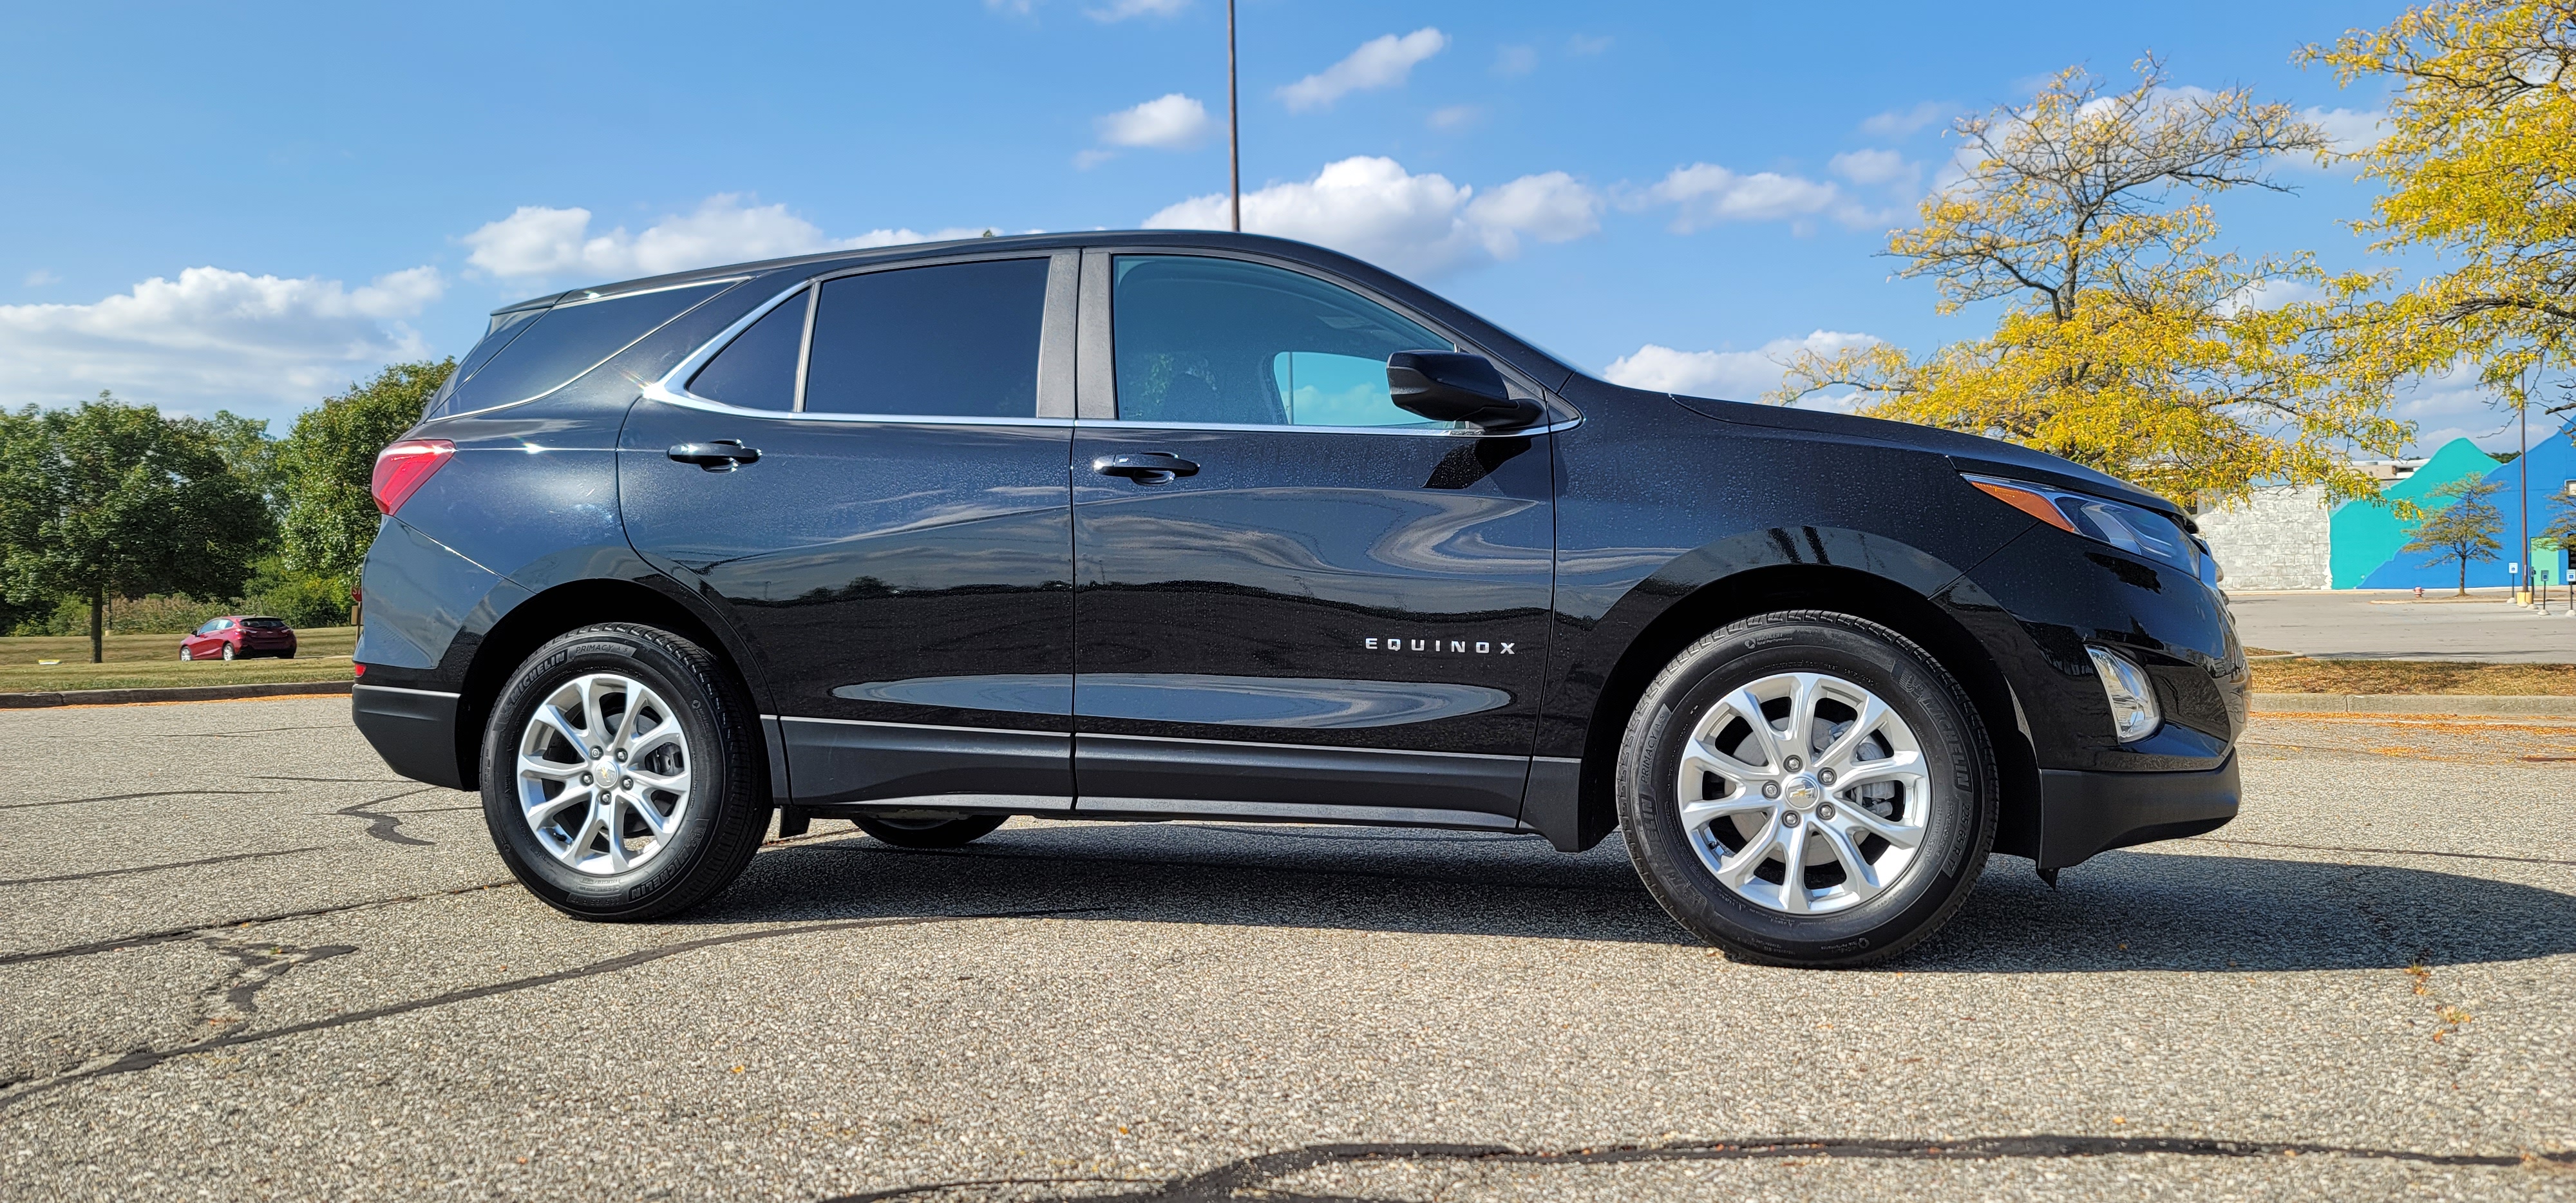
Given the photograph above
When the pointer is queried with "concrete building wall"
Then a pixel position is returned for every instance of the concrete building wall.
(2280, 538)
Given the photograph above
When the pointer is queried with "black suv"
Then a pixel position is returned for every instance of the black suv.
(1163, 525)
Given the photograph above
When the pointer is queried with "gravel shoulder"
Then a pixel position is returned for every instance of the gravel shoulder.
(239, 960)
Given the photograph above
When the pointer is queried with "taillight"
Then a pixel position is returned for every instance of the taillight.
(404, 467)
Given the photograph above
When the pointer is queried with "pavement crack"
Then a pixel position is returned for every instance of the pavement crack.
(387, 826)
(147, 1058)
(167, 935)
(1251, 1175)
(256, 967)
(181, 864)
(167, 793)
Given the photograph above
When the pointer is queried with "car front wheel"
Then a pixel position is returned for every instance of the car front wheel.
(621, 774)
(1807, 788)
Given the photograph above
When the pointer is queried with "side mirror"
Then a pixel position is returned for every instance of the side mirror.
(1452, 386)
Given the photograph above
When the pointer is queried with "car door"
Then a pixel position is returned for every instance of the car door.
(200, 643)
(868, 475)
(1291, 598)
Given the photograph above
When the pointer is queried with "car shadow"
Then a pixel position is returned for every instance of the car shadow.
(2128, 910)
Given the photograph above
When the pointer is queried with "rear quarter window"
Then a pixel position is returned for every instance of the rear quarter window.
(532, 357)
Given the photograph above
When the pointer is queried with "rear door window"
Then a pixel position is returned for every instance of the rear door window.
(951, 340)
(566, 341)
(757, 370)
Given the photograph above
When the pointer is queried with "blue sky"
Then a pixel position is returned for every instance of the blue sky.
(250, 206)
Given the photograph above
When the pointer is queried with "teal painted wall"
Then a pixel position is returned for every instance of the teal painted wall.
(2367, 535)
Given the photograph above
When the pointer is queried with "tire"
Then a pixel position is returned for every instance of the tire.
(186, 654)
(932, 833)
(1924, 769)
(228, 651)
(701, 738)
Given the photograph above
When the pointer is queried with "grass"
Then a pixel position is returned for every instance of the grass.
(2414, 676)
(152, 661)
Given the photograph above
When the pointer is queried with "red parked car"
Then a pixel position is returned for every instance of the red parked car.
(239, 637)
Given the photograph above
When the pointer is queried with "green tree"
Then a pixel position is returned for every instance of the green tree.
(328, 463)
(112, 499)
(2464, 530)
(250, 453)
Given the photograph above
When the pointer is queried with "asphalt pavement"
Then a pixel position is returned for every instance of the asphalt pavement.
(240, 960)
(2391, 625)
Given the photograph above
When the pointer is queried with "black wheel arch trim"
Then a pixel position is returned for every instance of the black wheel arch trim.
(1871, 576)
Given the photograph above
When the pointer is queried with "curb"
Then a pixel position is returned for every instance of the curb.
(172, 693)
(2409, 703)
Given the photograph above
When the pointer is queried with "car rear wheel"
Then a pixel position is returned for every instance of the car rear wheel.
(228, 651)
(1807, 788)
(621, 777)
(931, 833)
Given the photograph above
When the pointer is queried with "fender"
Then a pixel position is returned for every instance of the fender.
(1593, 649)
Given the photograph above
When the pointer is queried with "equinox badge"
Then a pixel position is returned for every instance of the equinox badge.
(1445, 646)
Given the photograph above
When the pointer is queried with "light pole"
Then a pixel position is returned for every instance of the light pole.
(1233, 137)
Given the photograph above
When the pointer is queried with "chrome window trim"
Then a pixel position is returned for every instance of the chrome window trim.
(1418, 432)
(729, 283)
(672, 388)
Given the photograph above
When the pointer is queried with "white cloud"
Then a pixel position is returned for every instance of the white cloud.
(1455, 117)
(1579, 44)
(1551, 207)
(213, 339)
(2352, 131)
(1380, 62)
(1415, 224)
(40, 278)
(1726, 375)
(1896, 123)
(1868, 167)
(1120, 10)
(1704, 194)
(535, 242)
(1515, 60)
(1170, 122)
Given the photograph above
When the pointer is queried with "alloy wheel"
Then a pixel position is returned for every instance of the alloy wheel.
(603, 772)
(1803, 793)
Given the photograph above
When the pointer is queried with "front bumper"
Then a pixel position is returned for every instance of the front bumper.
(2083, 813)
(413, 729)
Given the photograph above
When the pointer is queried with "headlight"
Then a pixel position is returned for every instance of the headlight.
(2139, 531)
(2133, 698)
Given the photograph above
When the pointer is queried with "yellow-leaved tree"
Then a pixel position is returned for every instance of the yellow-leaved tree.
(2126, 341)
(2478, 166)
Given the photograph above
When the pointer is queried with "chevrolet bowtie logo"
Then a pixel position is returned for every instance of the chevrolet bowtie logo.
(1446, 647)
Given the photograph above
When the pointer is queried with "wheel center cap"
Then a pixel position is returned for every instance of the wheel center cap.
(1802, 792)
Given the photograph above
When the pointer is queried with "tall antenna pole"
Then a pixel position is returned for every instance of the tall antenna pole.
(1233, 134)
(2522, 489)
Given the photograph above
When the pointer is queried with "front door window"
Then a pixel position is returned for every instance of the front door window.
(1225, 341)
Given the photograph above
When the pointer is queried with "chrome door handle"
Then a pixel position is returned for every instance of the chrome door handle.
(722, 455)
(1145, 467)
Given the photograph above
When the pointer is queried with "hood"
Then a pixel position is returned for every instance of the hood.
(1972, 453)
